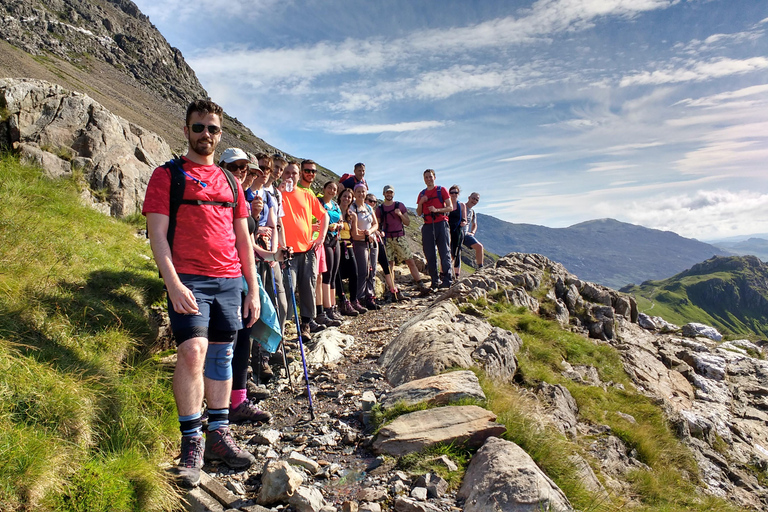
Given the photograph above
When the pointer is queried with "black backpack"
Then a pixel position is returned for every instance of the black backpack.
(178, 182)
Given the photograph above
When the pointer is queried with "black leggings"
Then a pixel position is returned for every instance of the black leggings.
(457, 238)
(241, 355)
(383, 261)
(347, 270)
(332, 256)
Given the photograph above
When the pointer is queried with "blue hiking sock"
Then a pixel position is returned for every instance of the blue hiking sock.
(191, 425)
(217, 418)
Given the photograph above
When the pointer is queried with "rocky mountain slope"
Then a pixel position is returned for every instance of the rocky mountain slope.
(730, 293)
(605, 251)
(110, 51)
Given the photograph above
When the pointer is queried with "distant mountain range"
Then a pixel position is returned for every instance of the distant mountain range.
(730, 293)
(752, 246)
(605, 251)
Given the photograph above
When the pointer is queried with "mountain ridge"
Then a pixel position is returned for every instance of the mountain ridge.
(606, 251)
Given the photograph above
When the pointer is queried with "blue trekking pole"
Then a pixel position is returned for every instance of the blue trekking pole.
(298, 332)
(282, 344)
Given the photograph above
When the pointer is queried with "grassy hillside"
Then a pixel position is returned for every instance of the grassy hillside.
(86, 414)
(728, 293)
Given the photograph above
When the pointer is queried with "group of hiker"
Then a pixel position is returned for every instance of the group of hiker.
(235, 250)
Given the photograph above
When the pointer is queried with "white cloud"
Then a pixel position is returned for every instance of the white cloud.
(524, 157)
(383, 128)
(703, 214)
(610, 166)
(696, 71)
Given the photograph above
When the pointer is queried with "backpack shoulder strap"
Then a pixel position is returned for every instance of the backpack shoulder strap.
(178, 181)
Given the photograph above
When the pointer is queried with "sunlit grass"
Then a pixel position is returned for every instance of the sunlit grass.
(86, 416)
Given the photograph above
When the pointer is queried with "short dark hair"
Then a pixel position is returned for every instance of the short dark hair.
(203, 107)
(430, 171)
(307, 162)
(359, 164)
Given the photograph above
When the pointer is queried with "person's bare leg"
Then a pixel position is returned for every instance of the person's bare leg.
(414, 271)
(328, 297)
(478, 247)
(188, 384)
(390, 282)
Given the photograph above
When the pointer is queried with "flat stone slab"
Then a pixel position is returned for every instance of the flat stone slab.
(438, 390)
(421, 429)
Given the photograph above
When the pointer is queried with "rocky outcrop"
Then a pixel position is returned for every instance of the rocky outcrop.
(715, 393)
(69, 134)
(503, 478)
(441, 338)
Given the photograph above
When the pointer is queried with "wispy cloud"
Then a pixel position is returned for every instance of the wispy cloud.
(524, 157)
(719, 99)
(545, 18)
(696, 71)
(610, 166)
(383, 128)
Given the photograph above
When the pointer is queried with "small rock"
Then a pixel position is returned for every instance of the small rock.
(435, 485)
(370, 507)
(410, 505)
(297, 459)
(371, 494)
(267, 436)
(368, 400)
(307, 499)
(419, 493)
(278, 482)
(236, 487)
(349, 506)
(447, 462)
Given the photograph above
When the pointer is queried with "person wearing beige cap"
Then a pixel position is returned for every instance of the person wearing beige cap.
(393, 217)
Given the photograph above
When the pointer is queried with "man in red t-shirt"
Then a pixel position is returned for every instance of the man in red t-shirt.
(434, 203)
(203, 275)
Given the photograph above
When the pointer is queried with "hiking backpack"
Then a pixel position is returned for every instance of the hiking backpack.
(178, 182)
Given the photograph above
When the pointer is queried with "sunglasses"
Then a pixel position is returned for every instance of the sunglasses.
(310, 171)
(235, 167)
(199, 127)
(454, 191)
(372, 201)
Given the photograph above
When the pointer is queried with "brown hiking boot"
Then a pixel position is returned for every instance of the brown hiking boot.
(346, 309)
(220, 447)
(359, 307)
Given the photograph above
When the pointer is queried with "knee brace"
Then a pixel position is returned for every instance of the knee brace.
(218, 361)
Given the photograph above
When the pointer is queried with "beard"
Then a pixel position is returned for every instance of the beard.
(202, 146)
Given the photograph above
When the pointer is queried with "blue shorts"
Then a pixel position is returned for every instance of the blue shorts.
(219, 301)
(470, 240)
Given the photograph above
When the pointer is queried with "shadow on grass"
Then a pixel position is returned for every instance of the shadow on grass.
(110, 313)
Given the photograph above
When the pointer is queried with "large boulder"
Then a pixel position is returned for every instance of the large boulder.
(65, 131)
(503, 478)
(694, 329)
(440, 338)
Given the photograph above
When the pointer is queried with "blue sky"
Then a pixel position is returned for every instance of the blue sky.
(653, 112)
